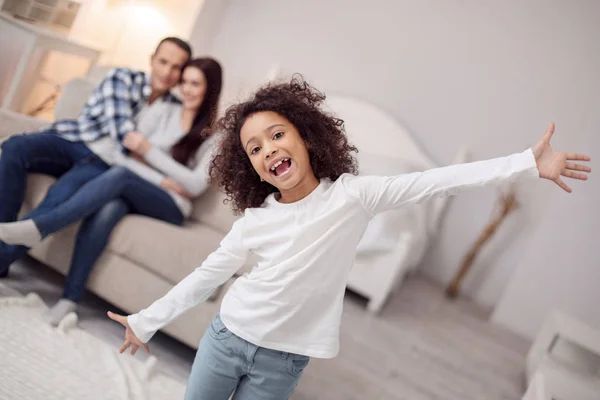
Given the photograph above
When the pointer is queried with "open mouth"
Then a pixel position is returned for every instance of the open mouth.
(281, 167)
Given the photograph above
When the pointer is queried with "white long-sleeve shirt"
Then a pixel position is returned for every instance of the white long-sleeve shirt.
(292, 299)
(195, 176)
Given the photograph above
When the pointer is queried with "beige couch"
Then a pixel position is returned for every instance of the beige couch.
(145, 257)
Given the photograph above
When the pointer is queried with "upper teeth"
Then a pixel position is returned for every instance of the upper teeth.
(278, 163)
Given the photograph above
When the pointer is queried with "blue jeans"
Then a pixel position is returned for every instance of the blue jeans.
(143, 197)
(226, 363)
(102, 203)
(91, 240)
(71, 162)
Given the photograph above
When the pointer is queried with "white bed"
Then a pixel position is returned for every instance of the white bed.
(395, 241)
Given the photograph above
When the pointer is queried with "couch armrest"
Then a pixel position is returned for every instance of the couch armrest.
(12, 123)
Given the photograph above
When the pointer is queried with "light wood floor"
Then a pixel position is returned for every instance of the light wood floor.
(422, 347)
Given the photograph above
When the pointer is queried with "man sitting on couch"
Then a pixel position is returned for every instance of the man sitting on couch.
(76, 151)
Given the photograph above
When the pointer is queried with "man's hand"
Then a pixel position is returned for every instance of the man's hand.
(170, 184)
(553, 164)
(137, 143)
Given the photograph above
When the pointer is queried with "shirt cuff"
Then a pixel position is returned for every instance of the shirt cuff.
(126, 126)
(133, 321)
(530, 163)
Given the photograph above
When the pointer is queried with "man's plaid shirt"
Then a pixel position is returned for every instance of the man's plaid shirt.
(110, 108)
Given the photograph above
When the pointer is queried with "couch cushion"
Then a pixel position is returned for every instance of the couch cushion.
(169, 251)
(12, 123)
(210, 210)
(75, 94)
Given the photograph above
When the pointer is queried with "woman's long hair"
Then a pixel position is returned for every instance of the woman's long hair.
(187, 147)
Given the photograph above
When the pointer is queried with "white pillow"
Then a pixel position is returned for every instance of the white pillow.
(73, 98)
(373, 164)
(384, 230)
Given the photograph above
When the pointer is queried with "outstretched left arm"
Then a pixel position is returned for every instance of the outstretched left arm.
(378, 193)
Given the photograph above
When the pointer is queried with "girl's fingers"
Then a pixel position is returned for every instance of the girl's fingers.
(134, 349)
(124, 347)
(549, 132)
(574, 175)
(580, 157)
(560, 183)
(116, 317)
(146, 347)
(578, 167)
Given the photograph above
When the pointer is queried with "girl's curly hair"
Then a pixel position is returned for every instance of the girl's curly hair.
(328, 147)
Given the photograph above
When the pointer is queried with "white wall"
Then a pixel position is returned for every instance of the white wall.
(129, 30)
(560, 268)
(489, 75)
(210, 19)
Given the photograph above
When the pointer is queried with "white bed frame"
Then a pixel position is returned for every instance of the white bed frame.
(375, 132)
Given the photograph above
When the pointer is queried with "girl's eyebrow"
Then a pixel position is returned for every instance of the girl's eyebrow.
(253, 138)
(273, 126)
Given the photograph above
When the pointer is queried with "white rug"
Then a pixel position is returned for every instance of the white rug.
(38, 361)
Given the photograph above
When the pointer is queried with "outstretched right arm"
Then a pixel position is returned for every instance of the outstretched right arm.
(195, 288)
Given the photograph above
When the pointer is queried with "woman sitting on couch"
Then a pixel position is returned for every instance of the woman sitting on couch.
(151, 182)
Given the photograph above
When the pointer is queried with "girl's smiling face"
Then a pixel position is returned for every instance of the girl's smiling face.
(278, 154)
(281, 120)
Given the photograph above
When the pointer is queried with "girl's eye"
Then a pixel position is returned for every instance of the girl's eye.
(254, 150)
(278, 135)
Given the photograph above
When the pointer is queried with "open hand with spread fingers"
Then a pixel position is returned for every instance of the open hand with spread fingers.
(130, 338)
(553, 165)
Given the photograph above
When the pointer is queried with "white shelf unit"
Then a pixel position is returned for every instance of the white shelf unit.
(50, 12)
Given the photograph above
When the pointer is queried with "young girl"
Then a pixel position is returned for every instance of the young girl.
(181, 161)
(287, 165)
